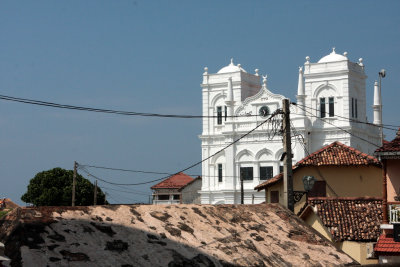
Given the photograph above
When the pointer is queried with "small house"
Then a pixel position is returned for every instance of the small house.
(339, 171)
(388, 245)
(167, 191)
(350, 223)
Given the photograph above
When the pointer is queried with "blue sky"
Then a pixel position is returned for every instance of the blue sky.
(148, 56)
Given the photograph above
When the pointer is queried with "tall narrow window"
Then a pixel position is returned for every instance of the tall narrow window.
(356, 108)
(280, 169)
(219, 115)
(352, 107)
(246, 173)
(220, 173)
(322, 107)
(331, 107)
(226, 112)
(266, 172)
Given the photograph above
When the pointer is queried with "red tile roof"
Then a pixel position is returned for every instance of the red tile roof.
(350, 218)
(338, 154)
(270, 182)
(387, 246)
(335, 154)
(174, 182)
(393, 146)
(195, 179)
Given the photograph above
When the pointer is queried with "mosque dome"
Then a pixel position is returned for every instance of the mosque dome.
(332, 57)
(231, 68)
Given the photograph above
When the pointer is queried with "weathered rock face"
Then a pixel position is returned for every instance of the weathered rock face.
(157, 235)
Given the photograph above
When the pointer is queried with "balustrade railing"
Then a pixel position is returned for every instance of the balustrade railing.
(394, 213)
(166, 202)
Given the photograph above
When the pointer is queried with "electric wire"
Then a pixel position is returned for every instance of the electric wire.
(125, 191)
(302, 143)
(340, 128)
(193, 165)
(118, 199)
(109, 111)
(123, 170)
(153, 172)
(385, 126)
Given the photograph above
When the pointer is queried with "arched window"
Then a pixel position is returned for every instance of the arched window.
(326, 106)
(326, 95)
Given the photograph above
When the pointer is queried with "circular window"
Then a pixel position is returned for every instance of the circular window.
(264, 111)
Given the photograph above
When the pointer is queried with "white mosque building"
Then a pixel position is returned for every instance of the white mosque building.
(331, 98)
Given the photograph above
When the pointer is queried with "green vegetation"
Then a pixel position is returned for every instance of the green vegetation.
(3, 213)
(54, 188)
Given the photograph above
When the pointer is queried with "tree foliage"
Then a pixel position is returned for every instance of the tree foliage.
(54, 188)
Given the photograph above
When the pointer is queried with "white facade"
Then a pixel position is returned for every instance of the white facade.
(334, 83)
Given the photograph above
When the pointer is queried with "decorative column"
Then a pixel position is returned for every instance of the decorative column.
(230, 177)
(377, 104)
(229, 102)
(301, 93)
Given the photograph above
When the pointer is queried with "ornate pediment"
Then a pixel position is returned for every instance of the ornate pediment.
(263, 97)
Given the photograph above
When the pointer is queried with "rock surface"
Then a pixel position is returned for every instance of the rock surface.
(158, 235)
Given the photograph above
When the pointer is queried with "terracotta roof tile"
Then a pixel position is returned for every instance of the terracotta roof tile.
(387, 246)
(338, 154)
(335, 154)
(195, 179)
(269, 182)
(392, 146)
(174, 182)
(348, 218)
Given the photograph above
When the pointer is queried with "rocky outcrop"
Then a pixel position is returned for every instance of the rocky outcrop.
(157, 235)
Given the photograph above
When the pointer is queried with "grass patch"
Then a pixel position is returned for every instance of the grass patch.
(3, 213)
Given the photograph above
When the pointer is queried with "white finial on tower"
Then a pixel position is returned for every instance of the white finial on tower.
(345, 54)
(300, 87)
(360, 62)
(205, 71)
(256, 71)
(377, 107)
(333, 50)
(264, 80)
(231, 62)
(307, 60)
(239, 65)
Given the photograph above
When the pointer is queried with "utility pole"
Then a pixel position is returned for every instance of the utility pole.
(241, 189)
(95, 193)
(382, 74)
(287, 163)
(74, 184)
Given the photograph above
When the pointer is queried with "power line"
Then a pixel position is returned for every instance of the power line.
(124, 191)
(195, 164)
(363, 139)
(121, 185)
(153, 172)
(120, 196)
(109, 111)
(386, 126)
(125, 170)
(302, 143)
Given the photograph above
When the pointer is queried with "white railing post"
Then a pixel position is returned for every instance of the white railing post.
(394, 211)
